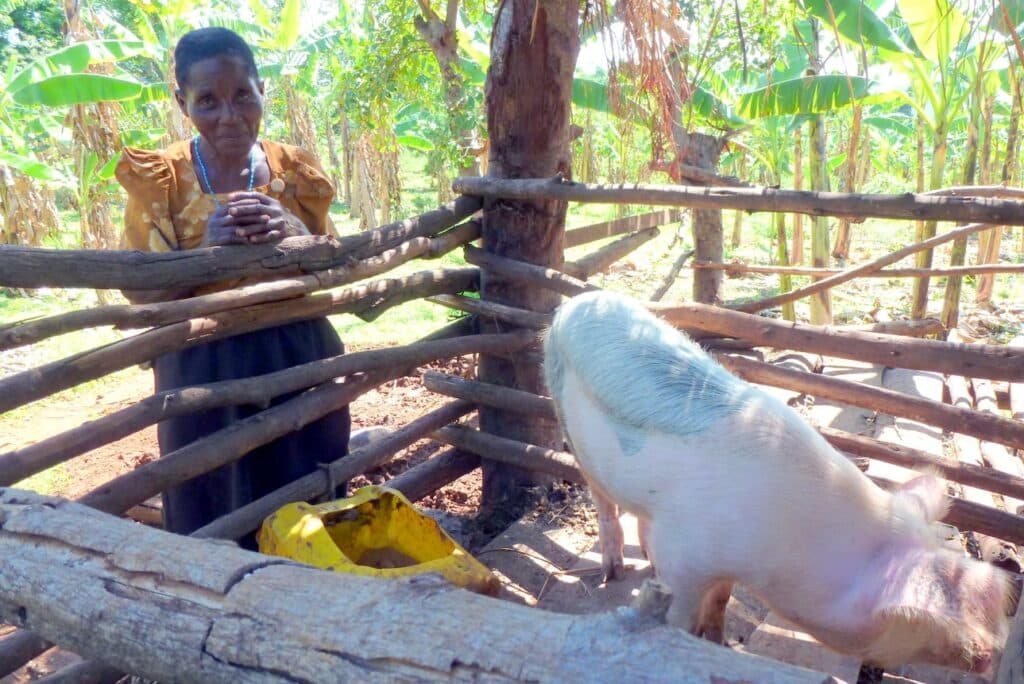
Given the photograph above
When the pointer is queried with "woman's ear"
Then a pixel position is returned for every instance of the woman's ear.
(179, 97)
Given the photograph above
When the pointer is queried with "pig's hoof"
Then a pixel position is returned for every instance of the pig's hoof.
(614, 569)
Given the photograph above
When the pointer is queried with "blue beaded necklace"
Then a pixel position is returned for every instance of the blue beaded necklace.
(206, 177)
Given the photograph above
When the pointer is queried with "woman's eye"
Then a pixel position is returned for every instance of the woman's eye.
(205, 102)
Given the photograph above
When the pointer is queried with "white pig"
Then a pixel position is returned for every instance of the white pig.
(735, 487)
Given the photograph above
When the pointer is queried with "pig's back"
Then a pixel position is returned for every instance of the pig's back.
(641, 370)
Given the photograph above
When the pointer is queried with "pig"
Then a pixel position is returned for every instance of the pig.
(731, 485)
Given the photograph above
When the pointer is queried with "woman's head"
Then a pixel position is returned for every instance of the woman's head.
(207, 43)
(219, 89)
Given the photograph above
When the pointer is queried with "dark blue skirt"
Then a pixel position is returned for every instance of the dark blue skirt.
(195, 503)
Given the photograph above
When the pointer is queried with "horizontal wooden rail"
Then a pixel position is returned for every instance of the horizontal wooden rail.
(627, 224)
(906, 206)
(137, 270)
(998, 362)
(735, 268)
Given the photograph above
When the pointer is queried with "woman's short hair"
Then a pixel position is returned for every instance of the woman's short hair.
(204, 43)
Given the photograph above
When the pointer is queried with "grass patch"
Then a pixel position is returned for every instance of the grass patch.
(48, 482)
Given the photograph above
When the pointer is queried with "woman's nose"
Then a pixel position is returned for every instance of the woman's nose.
(228, 113)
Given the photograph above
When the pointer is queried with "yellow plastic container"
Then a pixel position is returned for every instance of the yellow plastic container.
(375, 532)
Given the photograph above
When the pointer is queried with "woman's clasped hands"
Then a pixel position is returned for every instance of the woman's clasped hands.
(250, 218)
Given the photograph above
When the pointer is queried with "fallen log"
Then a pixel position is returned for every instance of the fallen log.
(979, 191)
(441, 470)
(522, 318)
(626, 224)
(858, 271)
(137, 270)
(259, 390)
(977, 360)
(845, 205)
(249, 517)
(36, 383)
(977, 424)
(600, 260)
(85, 580)
(129, 316)
(531, 274)
(734, 269)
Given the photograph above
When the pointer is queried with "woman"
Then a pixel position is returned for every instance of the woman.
(228, 187)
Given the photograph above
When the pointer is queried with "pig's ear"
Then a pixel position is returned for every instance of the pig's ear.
(926, 493)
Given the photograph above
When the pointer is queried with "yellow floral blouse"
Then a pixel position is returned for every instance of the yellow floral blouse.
(167, 209)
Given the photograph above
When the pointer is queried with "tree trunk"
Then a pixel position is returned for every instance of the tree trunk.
(797, 254)
(332, 155)
(842, 248)
(951, 302)
(528, 129)
(737, 226)
(441, 36)
(821, 303)
(919, 308)
(785, 282)
(702, 151)
(346, 163)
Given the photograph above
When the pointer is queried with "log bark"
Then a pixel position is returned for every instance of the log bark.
(977, 360)
(857, 272)
(84, 672)
(229, 615)
(626, 224)
(367, 301)
(259, 390)
(854, 205)
(316, 484)
(977, 424)
(600, 260)
(734, 269)
(127, 317)
(922, 327)
(999, 191)
(135, 270)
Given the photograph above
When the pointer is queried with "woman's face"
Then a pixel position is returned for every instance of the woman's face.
(224, 102)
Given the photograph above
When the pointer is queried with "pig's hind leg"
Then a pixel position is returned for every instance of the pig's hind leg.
(609, 534)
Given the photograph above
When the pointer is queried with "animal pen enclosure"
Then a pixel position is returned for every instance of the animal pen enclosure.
(178, 609)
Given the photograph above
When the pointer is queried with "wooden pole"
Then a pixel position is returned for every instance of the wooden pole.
(497, 312)
(231, 615)
(30, 385)
(136, 270)
(560, 464)
(259, 390)
(908, 206)
(162, 313)
(857, 272)
(522, 271)
(996, 455)
(968, 453)
(981, 425)
(18, 648)
(978, 360)
(441, 470)
(489, 395)
(626, 224)
(599, 260)
(670, 277)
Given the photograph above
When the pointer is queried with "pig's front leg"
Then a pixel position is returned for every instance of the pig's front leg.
(609, 535)
(711, 620)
